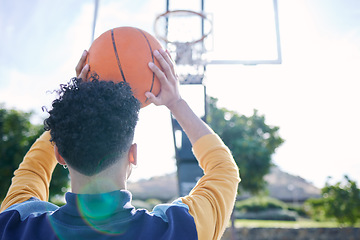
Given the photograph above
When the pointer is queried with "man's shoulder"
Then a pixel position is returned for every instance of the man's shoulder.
(33, 207)
(171, 221)
(22, 220)
(177, 207)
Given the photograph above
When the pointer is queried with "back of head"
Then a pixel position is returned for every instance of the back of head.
(92, 123)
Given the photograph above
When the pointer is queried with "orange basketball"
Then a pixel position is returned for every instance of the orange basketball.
(123, 54)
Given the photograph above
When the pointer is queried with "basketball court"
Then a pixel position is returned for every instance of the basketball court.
(196, 37)
(317, 77)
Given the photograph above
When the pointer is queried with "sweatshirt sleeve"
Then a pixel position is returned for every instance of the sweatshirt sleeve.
(32, 178)
(212, 199)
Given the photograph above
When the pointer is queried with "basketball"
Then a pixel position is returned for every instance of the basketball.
(123, 54)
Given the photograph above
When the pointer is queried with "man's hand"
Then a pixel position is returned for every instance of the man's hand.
(169, 96)
(82, 69)
(169, 92)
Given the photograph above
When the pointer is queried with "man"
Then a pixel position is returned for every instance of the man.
(91, 128)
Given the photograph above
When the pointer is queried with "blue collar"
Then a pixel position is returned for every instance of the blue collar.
(96, 207)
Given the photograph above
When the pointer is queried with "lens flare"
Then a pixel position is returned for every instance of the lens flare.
(102, 214)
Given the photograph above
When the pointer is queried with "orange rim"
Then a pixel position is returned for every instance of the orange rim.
(203, 16)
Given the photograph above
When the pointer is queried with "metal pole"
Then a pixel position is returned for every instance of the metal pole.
(95, 17)
(203, 30)
(167, 20)
(278, 44)
(167, 5)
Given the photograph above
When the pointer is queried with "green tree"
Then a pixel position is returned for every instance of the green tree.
(340, 201)
(17, 134)
(251, 141)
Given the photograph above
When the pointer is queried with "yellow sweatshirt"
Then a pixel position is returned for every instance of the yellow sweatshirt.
(210, 203)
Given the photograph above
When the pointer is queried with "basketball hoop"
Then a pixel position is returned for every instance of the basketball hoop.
(184, 32)
(179, 13)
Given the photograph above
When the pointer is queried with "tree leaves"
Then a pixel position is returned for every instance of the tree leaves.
(17, 134)
(251, 141)
(340, 201)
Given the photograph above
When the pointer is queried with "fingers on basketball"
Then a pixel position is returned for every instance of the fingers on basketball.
(121, 54)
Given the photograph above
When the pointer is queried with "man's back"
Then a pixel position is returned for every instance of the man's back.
(100, 216)
(99, 206)
(111, 215)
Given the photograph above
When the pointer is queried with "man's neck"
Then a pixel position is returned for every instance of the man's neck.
(111, 179)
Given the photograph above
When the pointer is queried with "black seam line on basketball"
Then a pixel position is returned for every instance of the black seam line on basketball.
(152, 57)
(116, 55)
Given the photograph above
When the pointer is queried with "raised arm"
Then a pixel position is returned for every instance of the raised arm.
(169, 96)
(32, 178)
(212, 199)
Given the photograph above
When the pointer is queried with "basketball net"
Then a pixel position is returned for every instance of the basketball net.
(184, 32)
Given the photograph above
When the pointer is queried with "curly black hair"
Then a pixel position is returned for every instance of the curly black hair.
(92, 123)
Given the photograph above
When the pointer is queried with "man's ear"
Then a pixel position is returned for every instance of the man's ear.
(59, 158)
(132, 157)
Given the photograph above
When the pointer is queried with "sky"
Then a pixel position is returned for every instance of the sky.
(313, 95)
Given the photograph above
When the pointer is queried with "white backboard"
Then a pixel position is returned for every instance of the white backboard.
(243, 31)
